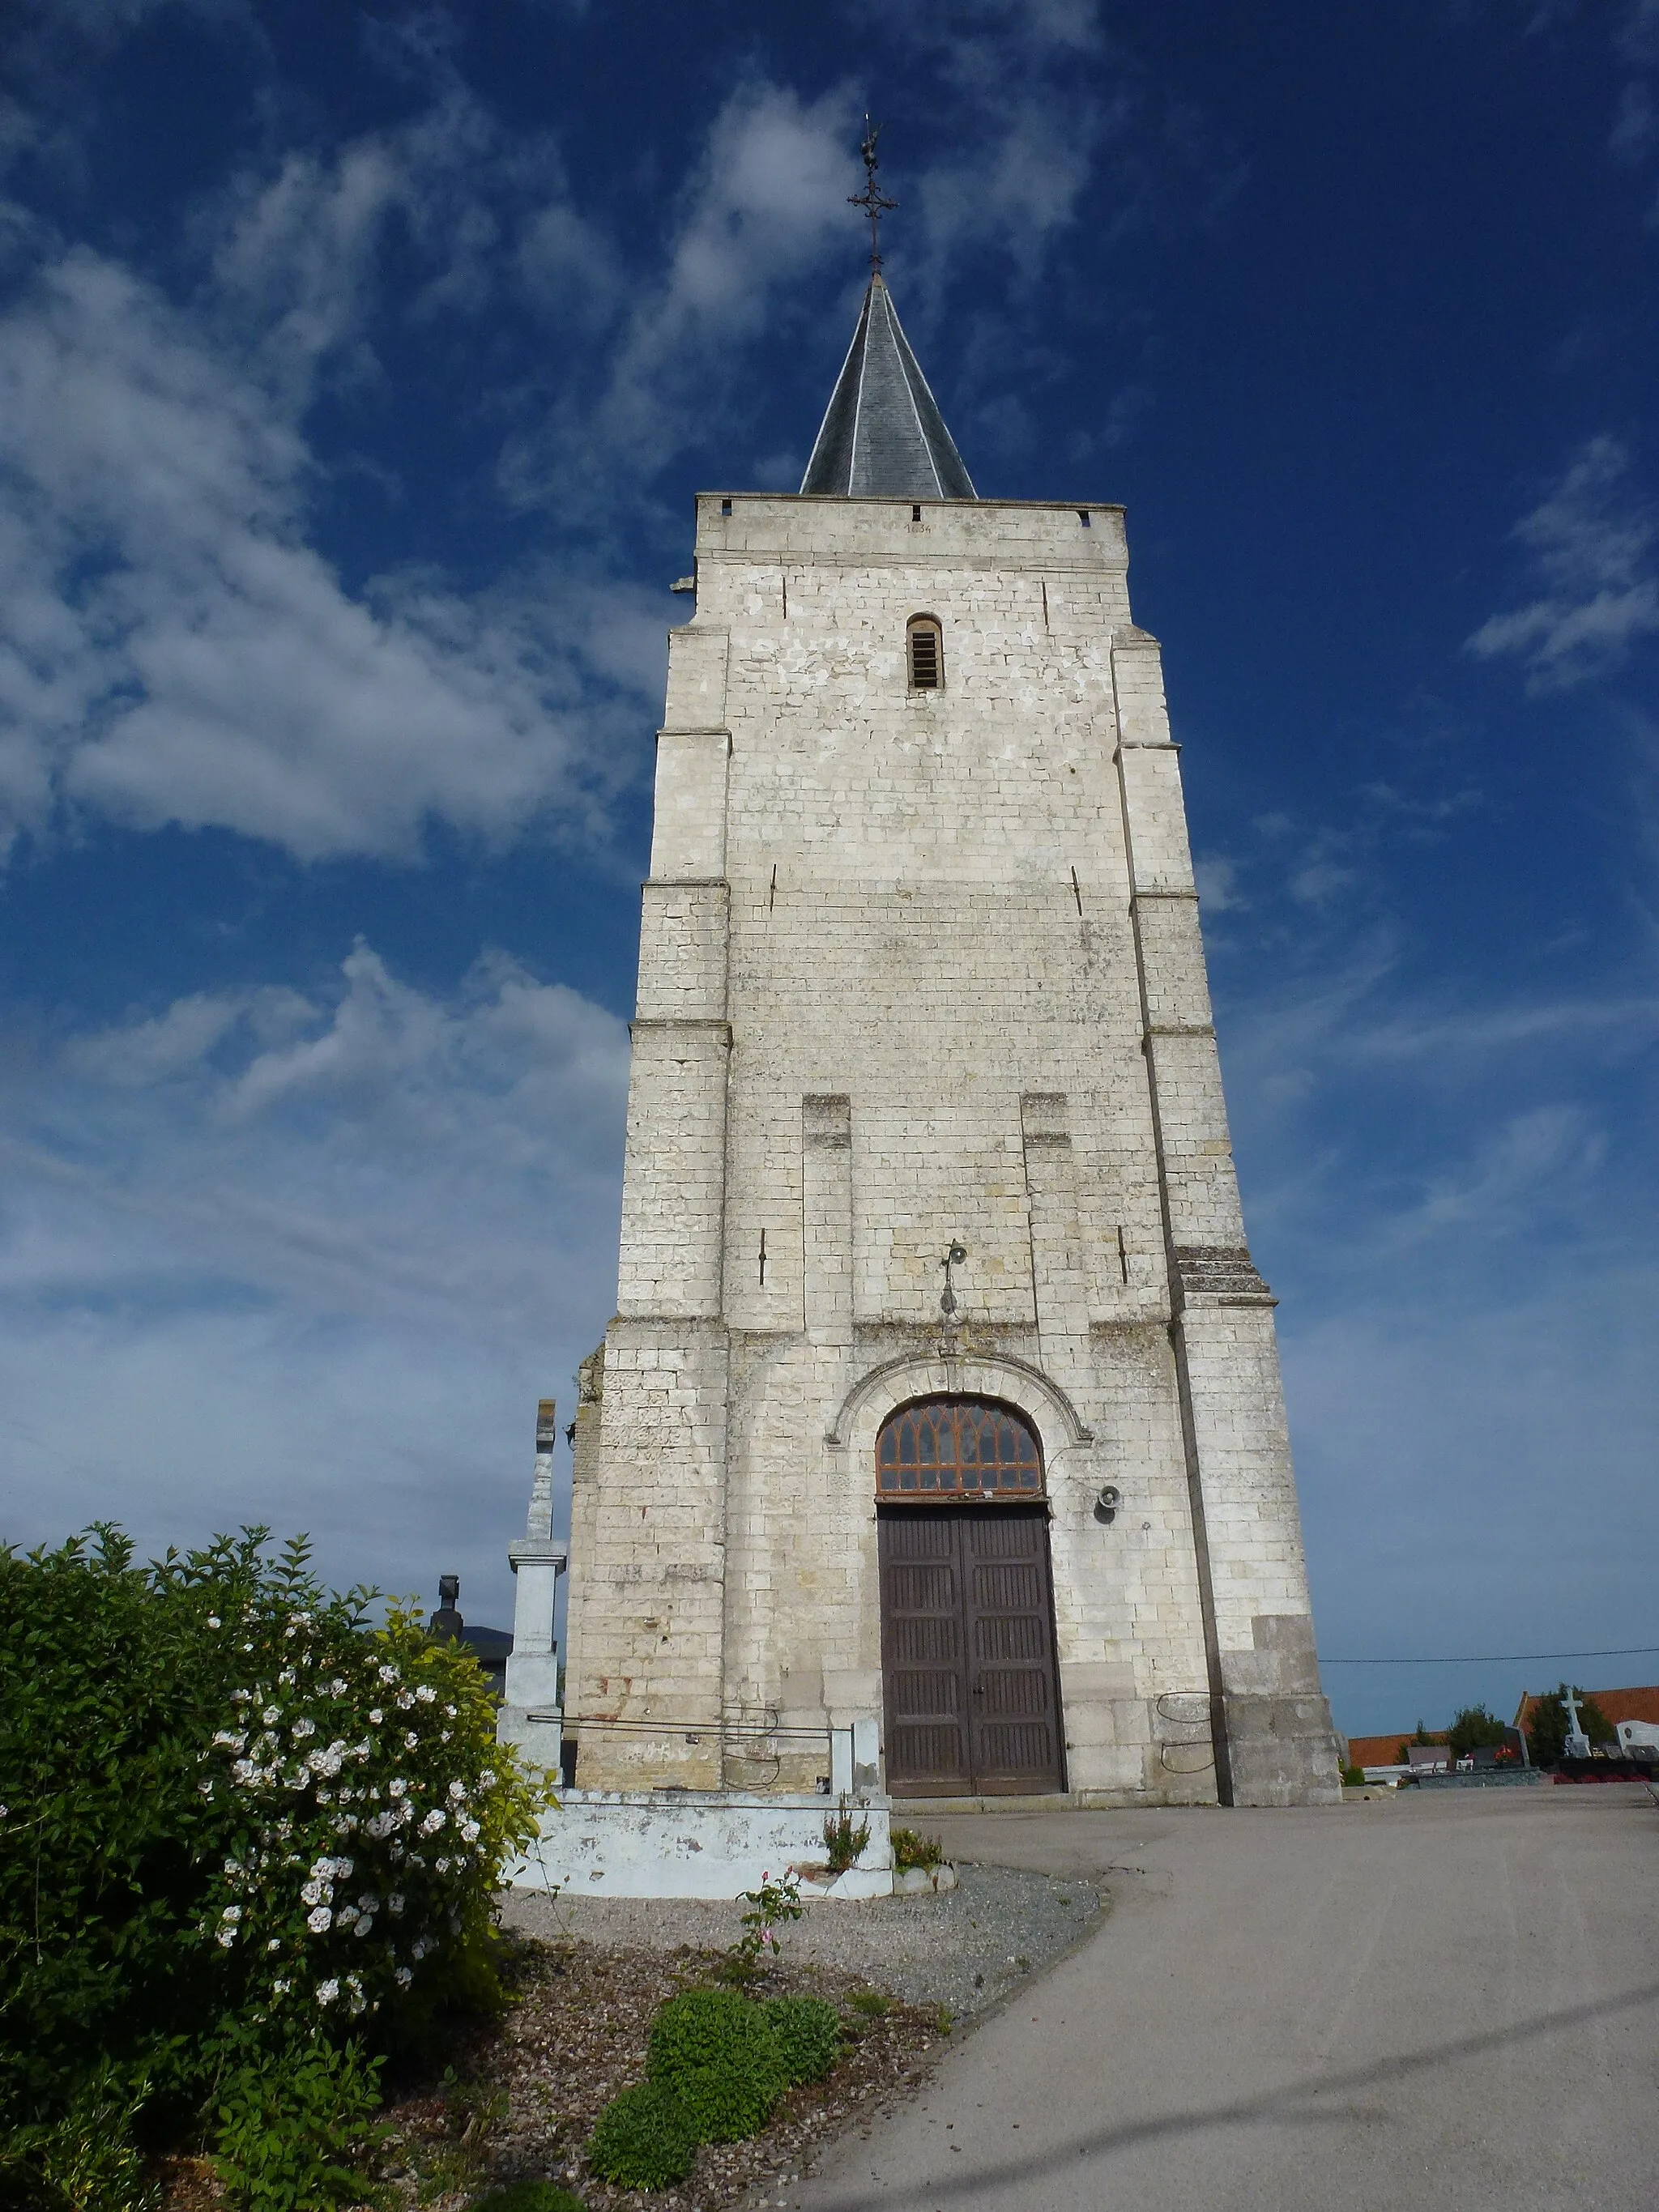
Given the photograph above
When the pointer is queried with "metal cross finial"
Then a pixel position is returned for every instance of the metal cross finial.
(875, 204)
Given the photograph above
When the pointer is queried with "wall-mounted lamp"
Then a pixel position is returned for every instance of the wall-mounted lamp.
(953, 1258)
(1107, 1503)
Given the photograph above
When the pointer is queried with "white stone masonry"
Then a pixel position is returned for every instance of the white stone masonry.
(918, 966)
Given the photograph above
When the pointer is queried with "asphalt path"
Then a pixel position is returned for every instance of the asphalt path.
(1444, 2000)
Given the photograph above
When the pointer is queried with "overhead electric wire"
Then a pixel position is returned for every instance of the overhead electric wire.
(1499, 1658)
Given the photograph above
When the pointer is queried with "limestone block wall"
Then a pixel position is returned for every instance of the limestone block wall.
(918, 967)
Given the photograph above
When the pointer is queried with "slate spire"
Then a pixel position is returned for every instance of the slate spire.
(883, 436)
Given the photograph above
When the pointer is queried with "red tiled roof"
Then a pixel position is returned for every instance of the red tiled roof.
(1385, 1750)
(1617, 1705)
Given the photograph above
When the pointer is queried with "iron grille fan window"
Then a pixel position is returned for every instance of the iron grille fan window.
(926, 655)
(954, 1447)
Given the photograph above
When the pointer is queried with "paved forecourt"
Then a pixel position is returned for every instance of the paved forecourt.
(1446, 2000)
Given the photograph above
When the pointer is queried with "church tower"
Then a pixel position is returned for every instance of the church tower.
(941, 1414)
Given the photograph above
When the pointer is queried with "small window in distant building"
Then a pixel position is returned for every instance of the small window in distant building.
(926, 655)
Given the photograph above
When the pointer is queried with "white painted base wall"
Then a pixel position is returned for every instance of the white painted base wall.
(696, 1842)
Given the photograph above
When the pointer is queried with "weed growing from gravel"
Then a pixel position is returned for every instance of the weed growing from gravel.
(912, 1849)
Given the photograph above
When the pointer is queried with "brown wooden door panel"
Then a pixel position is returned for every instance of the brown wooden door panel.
(923, 1655)
(1014, 1736)
(967, 1651)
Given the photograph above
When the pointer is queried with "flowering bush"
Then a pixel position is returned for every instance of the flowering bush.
(235, 1819)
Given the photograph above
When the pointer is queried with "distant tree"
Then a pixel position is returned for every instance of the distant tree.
(1546, 1731)
(1472, 1727)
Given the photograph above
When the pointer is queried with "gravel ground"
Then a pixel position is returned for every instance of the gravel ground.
(964, 1950)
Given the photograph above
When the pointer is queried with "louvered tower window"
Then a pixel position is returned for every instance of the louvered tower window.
(926, 655)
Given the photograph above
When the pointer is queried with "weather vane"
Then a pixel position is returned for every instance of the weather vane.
(874, 203)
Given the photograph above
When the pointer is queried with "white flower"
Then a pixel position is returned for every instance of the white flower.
(303, 1728)
(389, 1675)
(233, 1866)
(426, 1693)
(411, 1741)
(368, 1902)
(214, 1621)
(458, 1792)
(227, 1936)
(419, 1947)
(327, 1992)
(240, 1697)
(317, 1891)
(291, 1630)
(442, 1865)
(376, 1716)
(338, 1686)
(287, 1678)
(345, 1915)
(444, 1735)
(405, 1699)
(281, 1988)
(245, 1771)
(434, 1821)
(270, 1716)
(233, 1913)
(402, 1978)
(394, 1904)
(321, 1921)
(470, 1831)
(230, 1739)
(366, 1920)
(449, 1712)
(275, 1944)
(397, 1787)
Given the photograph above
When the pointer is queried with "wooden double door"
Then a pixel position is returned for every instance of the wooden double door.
(967, 1651)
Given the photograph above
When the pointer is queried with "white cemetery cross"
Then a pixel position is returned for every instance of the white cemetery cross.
(529, 1716)
(1578, 1745)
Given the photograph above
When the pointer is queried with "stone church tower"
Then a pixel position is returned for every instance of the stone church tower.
(941, 1409)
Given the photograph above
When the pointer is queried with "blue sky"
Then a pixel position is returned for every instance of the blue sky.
(357, 366)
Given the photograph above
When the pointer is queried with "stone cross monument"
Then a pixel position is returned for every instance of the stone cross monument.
(921, 978)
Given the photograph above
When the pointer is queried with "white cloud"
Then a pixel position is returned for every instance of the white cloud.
(765, 209)
(1218, 883)
(1590, 542)
(1449, 1192)
(307, 1258)
(171, 649)
(1475, 1476)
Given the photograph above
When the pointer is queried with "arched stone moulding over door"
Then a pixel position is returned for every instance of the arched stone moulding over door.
(886, 1388)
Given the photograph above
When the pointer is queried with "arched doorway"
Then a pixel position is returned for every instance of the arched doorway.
(967, 1602)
